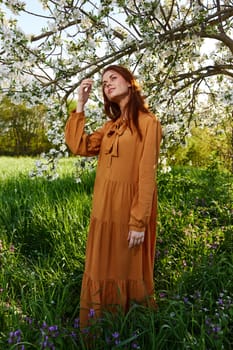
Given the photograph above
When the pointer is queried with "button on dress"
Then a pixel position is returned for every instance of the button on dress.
(124, 199)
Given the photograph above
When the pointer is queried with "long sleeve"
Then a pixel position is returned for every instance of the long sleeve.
(142, 202)
(78, 141)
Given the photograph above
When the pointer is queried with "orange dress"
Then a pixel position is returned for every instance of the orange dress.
(125, 198)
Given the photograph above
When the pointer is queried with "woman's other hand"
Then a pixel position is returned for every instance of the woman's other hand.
(135, 238)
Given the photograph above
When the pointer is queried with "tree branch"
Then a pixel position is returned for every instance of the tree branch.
(206, 71)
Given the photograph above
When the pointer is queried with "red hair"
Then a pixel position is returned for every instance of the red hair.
(136, 101)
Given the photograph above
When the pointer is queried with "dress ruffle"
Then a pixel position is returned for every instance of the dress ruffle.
(115, 275)
(111, 295)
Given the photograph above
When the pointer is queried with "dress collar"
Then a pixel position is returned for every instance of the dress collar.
(112, 144)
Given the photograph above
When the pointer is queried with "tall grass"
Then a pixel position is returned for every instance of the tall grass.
(43, 228)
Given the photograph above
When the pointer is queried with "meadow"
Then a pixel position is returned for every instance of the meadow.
(43, 228)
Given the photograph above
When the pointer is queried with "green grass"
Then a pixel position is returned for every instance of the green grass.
(43, 228)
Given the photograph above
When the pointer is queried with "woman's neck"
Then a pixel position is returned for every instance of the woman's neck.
(123, 107)
(123, 102)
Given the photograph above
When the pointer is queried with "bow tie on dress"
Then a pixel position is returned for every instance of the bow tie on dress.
(111, 148)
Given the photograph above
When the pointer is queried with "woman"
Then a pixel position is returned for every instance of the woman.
(121, 241)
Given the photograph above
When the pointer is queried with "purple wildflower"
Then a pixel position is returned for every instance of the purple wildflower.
(15, 337)
(76, 323)
(28, 320)
(162, 295)
(44, 325)
(216, 329)
(85, 330)
(44, 344)
(91, 313)
(53, 328)
(115, 335)
(73, 334)
(17, 334)
(10, 339)
(220, 301)
(47, 344)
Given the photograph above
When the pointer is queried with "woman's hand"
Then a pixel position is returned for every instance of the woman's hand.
(135, 238)
(83, 93)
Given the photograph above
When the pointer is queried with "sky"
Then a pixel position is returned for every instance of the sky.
(28, 23)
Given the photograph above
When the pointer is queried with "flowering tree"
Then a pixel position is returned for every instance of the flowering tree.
(165, 42)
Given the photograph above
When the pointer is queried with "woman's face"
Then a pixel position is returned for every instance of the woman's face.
(115, 86)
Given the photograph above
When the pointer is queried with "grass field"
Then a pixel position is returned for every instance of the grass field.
(43, 228)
